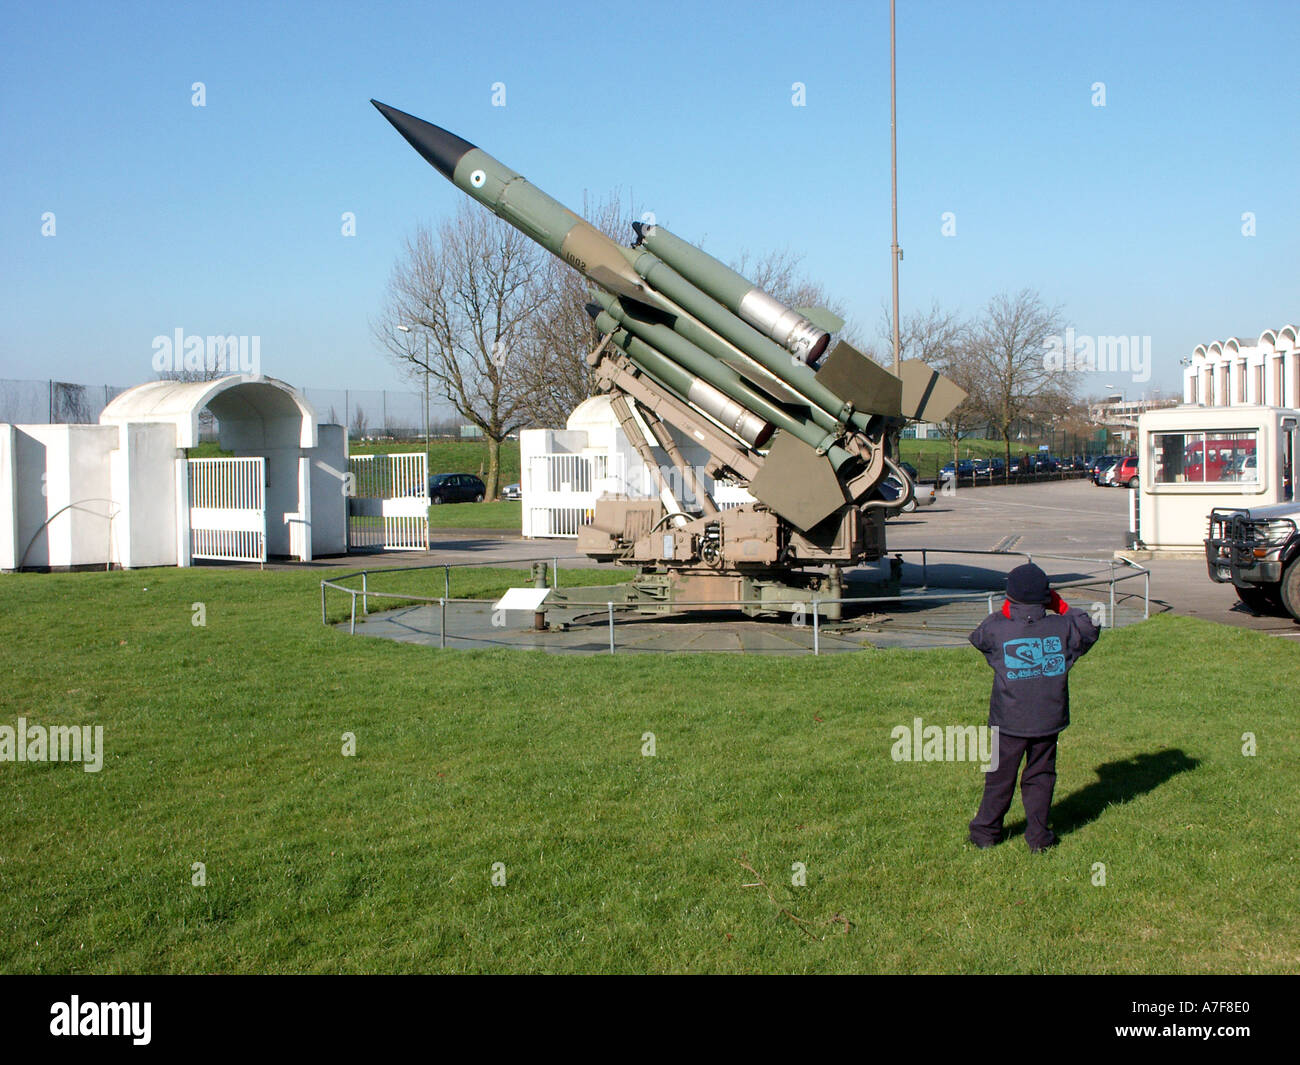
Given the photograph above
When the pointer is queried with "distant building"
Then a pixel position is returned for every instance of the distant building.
(1239, 371)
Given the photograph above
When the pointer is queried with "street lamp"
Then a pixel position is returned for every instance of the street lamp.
(407, 329)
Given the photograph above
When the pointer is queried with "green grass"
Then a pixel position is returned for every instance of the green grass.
(223, 745)
(501, 514)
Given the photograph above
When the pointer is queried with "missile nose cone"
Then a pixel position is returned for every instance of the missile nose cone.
(441, 149)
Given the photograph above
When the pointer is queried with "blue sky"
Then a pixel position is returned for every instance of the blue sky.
(226, 218)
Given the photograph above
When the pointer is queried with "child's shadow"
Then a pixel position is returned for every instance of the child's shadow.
(1117, 782)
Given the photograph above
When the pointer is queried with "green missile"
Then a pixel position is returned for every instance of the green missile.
(792, 372)
(685, 354)
(681, 382)
(563, 233)
(792, 330)
(526, 207)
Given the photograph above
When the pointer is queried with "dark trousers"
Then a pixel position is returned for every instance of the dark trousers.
(1036, 786)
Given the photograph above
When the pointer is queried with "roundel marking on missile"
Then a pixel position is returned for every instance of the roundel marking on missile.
(478, 179)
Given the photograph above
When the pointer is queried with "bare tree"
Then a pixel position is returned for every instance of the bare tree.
(1008, 347)
(469, 293)
(936, 336)
(359, 423)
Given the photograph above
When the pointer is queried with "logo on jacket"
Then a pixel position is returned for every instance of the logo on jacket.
(1033, 657)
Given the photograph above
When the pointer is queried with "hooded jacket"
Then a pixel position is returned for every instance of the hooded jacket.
(1031, 651)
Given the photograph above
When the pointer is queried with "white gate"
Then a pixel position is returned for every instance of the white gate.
(228, 509)
(388, 505)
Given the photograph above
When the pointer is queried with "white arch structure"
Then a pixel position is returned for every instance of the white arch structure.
(124, 492)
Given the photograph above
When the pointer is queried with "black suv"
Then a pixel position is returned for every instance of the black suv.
(456, 488)
(1258, 551)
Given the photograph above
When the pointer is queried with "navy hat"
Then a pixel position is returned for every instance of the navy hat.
(1028, 584)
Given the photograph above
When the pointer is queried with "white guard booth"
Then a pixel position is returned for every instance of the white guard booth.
(564, 471)
(1193, 458)
(124, 493)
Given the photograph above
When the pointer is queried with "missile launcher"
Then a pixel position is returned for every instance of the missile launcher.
(809, 428)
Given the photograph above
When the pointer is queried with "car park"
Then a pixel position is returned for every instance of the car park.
(456, 488)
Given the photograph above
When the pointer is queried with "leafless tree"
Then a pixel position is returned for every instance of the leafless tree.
(469, 292)
(359, 422)
(1008, 347)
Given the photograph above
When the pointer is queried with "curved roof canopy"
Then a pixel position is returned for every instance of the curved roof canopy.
(251, 412)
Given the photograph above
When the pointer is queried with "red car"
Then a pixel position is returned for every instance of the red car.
(1126, 472)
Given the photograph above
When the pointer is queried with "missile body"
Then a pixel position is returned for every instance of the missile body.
(738, 294)
(729, 414)
(720, 376)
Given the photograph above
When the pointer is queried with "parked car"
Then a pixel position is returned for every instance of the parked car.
(923, 496)
(1124, 473)
(964, 468)
(456, 488)
(1244, 468)
(983, 468)
(1096, 465)
(512, 491)
(1102, 470)
(1257, 550)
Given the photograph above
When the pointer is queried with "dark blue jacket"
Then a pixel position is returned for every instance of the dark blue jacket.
(1031, 652)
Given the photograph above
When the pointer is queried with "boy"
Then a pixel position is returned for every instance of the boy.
(1031, 645)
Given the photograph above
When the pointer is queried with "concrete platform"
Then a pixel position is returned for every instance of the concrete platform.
(1068, 517)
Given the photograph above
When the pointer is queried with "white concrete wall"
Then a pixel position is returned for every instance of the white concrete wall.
(144, 483)
(329, 505)
(61, 495)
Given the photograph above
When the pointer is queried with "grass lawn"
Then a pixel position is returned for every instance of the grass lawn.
(223, 746)
(501, 514)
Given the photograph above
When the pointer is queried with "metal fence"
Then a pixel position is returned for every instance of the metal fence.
(365, 412)
(1118, 571)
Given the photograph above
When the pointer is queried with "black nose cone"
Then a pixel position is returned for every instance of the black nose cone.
(442, 149)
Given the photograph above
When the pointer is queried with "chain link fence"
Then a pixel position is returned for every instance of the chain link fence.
(367, 413)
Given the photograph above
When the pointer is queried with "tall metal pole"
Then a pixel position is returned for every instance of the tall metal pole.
(426, 408)
(894, 251)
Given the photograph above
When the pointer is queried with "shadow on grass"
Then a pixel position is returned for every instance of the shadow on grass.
(1116, 783)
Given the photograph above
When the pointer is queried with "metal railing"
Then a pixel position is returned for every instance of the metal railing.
(1118, 571)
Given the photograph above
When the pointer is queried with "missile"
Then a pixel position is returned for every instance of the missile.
(756, 367)
(526, 207)
(729, 414)
(627, 272)
(685, 354)
(742, 297)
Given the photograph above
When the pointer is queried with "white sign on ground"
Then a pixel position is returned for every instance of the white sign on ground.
(522, 599)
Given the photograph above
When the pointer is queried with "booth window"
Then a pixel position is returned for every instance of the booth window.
(1204, 457)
